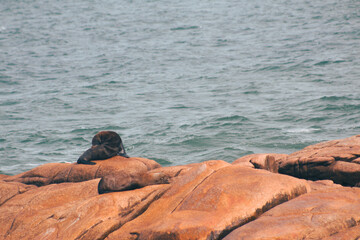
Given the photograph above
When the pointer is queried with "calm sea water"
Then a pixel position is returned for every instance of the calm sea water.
(180, 81)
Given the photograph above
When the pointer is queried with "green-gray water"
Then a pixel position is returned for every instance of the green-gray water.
(180, 81)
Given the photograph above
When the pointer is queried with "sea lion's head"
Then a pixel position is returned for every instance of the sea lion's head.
(105, 144)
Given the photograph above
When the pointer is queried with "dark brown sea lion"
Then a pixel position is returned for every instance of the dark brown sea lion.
(105, 144)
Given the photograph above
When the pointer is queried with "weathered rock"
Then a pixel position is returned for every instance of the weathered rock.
(349, 233)
(11, 189)
(207, 203)
(329, 209)
(72, 211)
(267, 161)
(122, 181)
(209, 200)
(20, 217)
(2, 176)
(66, 172)
(337, 160)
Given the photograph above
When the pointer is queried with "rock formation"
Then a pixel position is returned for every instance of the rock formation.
(259, 196)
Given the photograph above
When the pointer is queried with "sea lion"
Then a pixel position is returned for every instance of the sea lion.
(105, 144)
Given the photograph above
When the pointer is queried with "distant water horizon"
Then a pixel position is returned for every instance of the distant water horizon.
(180, 82)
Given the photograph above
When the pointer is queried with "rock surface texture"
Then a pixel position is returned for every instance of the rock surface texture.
(259, 196)
(338, 160)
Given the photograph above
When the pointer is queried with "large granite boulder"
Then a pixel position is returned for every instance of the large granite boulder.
(338, 160)
(210, 201)
(324, 213)
(72, 211)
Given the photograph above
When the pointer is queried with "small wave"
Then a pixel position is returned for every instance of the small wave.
(268, 68)
(323, 63)
(4, 80)
(334, 98)
(252, 92)
(318, 119)
(196, 142)
(302, 130)
(299, 130)
(343, 107)
(9, 103)
(180, 106)
(233, 118)
(318, 80)
(184, 28)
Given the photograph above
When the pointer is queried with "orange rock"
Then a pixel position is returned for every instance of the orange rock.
(349, 233)
(122, 181)
(267, 161)
(20, 216)
(65, 172)
(329, 210)
(337, 160)
(72, 211)
(174, 172)
(2, 176)
(208, 202)
(11, 189)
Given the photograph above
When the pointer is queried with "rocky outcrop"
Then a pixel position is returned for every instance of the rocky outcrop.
(267, 161)
(72, 211)
(208, 202)
(11, 189)
(65, 172)
(136, 198)
(338, 160)
(316, 215)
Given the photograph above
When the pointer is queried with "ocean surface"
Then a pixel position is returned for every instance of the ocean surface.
(180, 81)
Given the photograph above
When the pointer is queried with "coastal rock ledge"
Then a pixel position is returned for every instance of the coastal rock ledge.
(309, 194)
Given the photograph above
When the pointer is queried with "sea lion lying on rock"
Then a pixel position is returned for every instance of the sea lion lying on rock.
(105, 144)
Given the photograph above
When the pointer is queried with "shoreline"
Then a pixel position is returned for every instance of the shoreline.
(311, 193)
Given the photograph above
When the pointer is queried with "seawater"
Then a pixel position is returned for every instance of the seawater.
(180, 81)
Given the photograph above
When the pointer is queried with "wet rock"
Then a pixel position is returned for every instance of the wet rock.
(328, 211)
(337, 160)
(207, 203)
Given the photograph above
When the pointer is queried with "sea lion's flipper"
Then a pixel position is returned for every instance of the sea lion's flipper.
(81, 161)
(86, 157)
